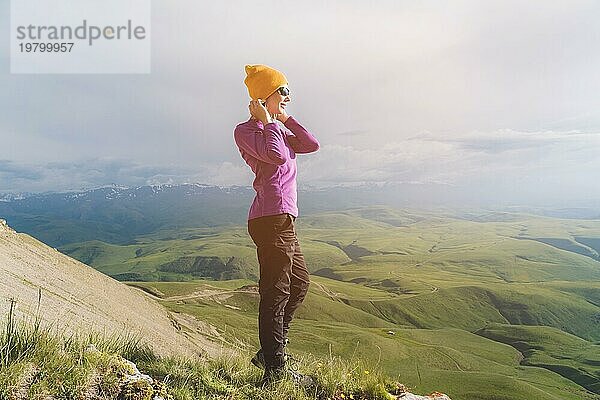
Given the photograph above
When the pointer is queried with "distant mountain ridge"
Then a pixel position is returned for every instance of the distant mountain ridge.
(118, 214)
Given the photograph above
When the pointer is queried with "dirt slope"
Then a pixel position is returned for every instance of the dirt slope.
(77, 298)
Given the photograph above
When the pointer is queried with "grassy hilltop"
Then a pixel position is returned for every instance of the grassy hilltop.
(41, 362)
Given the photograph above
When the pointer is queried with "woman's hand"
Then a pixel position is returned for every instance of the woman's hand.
(283, 116)
(258, 111)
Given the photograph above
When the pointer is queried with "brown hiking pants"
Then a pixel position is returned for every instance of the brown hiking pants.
(283, 281)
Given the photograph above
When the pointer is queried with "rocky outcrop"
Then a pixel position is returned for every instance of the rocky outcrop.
(132, 384)
(401, 392)
(433, 396)
(4, 228)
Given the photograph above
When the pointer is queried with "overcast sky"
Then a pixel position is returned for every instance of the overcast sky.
(489, 96)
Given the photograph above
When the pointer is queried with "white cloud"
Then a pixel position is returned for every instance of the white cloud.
(477, 156)
(516, 165)
(227, 174)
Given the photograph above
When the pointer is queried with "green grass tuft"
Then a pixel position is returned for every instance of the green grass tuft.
(39, 362)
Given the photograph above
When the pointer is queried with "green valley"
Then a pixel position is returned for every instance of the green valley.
(479, 304)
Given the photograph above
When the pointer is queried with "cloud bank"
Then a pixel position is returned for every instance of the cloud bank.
(496, 95)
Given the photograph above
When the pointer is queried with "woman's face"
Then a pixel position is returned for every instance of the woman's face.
(276, 103)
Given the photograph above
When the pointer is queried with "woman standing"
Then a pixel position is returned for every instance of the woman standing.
(269, 142)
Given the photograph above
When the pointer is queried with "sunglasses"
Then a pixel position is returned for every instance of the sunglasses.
(284, 91)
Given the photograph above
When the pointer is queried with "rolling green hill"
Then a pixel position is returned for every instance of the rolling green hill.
(472, 307)
(553, 349)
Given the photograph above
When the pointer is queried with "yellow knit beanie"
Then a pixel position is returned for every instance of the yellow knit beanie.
(263, 80)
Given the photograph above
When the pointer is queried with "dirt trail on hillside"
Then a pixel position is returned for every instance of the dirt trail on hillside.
(198, 294)
(223, 294)
(77, 298)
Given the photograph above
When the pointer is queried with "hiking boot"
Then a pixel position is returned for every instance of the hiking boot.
(278, 374)
(259, 358)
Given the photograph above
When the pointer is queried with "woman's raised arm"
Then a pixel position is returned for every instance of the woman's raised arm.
(303, 141)
(267, 146)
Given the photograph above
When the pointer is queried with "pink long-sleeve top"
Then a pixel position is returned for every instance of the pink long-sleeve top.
(270, 151)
